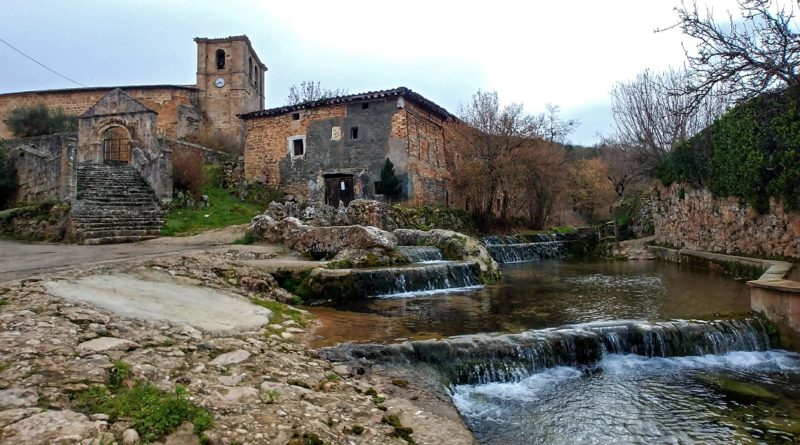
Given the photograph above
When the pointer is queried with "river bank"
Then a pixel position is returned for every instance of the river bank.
(262, 384)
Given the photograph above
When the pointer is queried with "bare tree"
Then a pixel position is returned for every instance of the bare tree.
(309, 91)
(490, 137)
(553, 127)
(622, 166)
(754, 52)
(649, 118)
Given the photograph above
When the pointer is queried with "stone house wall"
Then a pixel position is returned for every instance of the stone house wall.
(176, 105)
(43, 164)
(694, 219)
(393, 128)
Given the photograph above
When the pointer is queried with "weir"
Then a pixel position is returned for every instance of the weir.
(421, 254)
(485, 358)
(523, 248)
(417, 278)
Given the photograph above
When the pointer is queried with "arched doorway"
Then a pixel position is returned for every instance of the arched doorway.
(116, 146)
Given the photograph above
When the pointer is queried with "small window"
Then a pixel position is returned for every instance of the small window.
(220, 59)
(298, 147)
(353, 132)
(378, 187)
(250, 68)
(295, 116)
(365, 105)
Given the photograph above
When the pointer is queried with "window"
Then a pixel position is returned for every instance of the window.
(295, 116)
(353, 132)
(220, 59)
(250, 68)
(365, 105)
(297, 146)
(378, 187)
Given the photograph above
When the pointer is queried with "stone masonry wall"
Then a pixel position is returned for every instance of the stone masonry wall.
(427, 158)
(173, 104)
(41, 164)
(694, 219)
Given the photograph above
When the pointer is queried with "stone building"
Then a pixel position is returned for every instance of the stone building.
(230, 81)
(333, 150)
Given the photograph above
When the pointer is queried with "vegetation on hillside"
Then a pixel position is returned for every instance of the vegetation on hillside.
(211, 206)
(39, 120)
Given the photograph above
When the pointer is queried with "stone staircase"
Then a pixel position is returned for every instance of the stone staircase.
(114, 205)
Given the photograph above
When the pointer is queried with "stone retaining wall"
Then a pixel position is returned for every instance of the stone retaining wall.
(694, 219)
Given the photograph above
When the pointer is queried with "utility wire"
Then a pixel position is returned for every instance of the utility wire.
(41, 64)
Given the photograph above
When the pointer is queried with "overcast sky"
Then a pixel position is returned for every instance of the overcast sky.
(568, 53)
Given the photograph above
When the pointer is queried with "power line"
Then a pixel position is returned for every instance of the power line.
(41, 64)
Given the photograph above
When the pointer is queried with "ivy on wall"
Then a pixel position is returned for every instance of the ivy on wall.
(752, 152)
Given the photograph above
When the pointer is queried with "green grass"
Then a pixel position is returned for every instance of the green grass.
(224, 210)
(281, 312)
(154, 413)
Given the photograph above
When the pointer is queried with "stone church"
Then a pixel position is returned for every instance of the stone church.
(230, 81)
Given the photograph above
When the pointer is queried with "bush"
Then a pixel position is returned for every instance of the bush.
(39, 120)
(8, 177)
(187, 172)
(752, 152)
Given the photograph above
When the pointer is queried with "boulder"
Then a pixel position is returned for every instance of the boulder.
(320, 242)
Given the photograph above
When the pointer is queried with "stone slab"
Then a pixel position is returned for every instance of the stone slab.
(162, 298)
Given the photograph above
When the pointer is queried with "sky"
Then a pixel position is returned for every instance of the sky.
(566, 52)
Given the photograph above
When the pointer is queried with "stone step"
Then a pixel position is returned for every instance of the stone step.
(117, 239)
(117, 233)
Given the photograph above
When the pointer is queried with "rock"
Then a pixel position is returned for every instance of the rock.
(231, 380)
(239, 392)
(231, 358)
(81, 315)
(104, 344)
(18, 398)
(320, 242)
(184, 435)
(130, 437)
(10, 416)
(50, 427)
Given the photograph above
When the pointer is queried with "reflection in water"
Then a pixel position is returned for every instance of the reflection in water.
(542, 294)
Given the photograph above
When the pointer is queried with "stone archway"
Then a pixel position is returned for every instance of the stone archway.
(116, 145)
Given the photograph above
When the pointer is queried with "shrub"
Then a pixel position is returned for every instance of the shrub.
(8, 177)
(187, 172)
(39, 120)
(390, 184)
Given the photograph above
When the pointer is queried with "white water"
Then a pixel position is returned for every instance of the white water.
(625, 399)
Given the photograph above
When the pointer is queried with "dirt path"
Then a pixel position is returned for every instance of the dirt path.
(20, 260)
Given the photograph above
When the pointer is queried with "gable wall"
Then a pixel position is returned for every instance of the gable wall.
(165, 101)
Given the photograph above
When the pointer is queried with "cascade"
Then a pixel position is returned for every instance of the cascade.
(524, 248)
(421, 254)
(484, 358)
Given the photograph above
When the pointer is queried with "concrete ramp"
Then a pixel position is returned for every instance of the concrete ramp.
(161, 298)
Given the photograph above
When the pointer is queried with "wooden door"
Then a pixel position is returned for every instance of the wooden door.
(338, 188)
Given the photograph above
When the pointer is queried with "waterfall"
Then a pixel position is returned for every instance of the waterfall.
(485, 358)
(417, 278)
(524, 248)
(421, 254)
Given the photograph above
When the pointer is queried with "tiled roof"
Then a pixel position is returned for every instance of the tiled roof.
(360, 97)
